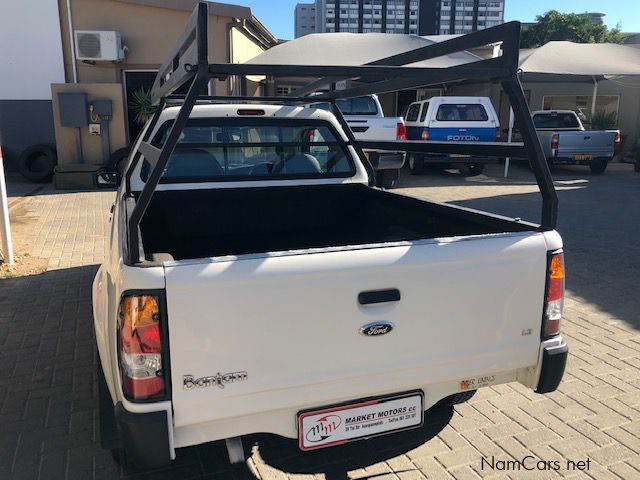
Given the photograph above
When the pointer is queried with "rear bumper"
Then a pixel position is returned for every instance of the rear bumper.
(435, 159)
(386, 160)
(144, 437)
(554, 361)
(572, 161)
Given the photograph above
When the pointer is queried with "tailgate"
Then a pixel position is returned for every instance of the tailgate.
(463, 134)
(596, 144)
(293, 323)
(367, 127)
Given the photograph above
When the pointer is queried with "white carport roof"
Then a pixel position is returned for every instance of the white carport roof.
(354, 49)
(568, 61)
(582, 61)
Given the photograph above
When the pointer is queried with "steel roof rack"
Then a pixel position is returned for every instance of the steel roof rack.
(188, 64)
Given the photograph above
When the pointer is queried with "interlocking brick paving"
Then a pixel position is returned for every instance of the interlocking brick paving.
(48, 391)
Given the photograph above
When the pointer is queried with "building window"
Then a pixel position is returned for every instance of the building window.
(284, 90)
(581, 104)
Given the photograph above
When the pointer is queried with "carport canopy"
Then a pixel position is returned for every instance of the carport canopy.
(355, 49)
(568, 61)
(346, 49)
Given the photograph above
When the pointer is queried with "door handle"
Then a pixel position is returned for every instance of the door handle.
(379, 296)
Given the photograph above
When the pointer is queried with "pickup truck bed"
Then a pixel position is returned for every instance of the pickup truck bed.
(188, 224)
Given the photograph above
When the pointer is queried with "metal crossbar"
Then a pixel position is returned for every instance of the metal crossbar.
(188, 63)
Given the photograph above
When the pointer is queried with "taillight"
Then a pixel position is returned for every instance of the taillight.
(555, 142)
(554, 295)
(425, 135)
(401, 131)
(140, 345)
(498, 135)
(617, 142)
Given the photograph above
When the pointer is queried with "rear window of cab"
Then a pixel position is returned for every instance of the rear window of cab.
(555, 120)
(251, 149)
(462, 113)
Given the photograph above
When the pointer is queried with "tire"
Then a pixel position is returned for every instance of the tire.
(36, 163)
(475, 168)
(118, 160)
(416, 164)
(599, 165)
(636, 166)
(386, 178)
(457, 398)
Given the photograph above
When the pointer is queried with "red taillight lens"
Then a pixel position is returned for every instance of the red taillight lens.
(401, 131)
(618, 139)
(425, 135)
(140, 345)
(555, 141)
(498, 134)
(554, 295)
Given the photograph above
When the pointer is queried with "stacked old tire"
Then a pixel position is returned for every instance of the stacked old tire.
(36, 163)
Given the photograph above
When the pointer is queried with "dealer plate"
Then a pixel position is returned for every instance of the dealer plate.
(355, 421)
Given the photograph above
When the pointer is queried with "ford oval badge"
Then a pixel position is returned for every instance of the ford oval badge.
(376, 329)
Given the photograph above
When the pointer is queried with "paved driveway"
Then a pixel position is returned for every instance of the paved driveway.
(48, 416)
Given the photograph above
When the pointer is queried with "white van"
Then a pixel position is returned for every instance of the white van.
(452, 119)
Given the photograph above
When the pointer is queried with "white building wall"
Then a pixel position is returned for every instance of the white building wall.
(30, 49)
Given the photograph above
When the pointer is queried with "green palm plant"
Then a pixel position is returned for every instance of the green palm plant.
(141, 106)
(602, 120)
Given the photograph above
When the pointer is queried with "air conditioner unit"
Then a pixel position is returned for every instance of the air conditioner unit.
(96, 45)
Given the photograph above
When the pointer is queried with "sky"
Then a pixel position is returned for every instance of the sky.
(277, 15)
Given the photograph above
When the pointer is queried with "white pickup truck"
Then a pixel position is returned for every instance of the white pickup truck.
(272, 289)
(366, 119)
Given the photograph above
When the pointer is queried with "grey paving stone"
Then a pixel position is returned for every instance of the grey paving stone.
(47, 380)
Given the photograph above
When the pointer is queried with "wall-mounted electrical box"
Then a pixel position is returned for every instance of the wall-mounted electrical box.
(74, 109)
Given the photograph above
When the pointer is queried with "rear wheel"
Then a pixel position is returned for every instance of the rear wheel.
(599, 165)
(386, 178)
(475, 168)
(416, 164)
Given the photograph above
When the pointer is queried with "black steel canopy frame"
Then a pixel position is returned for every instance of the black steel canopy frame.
(189, 62)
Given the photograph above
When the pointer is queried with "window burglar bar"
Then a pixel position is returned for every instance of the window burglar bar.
(189, 63)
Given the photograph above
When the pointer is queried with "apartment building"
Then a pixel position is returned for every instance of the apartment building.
(305, 19)
(418, 17)
(466, 16)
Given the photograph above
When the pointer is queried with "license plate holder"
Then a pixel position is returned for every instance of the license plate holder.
(358, 420)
